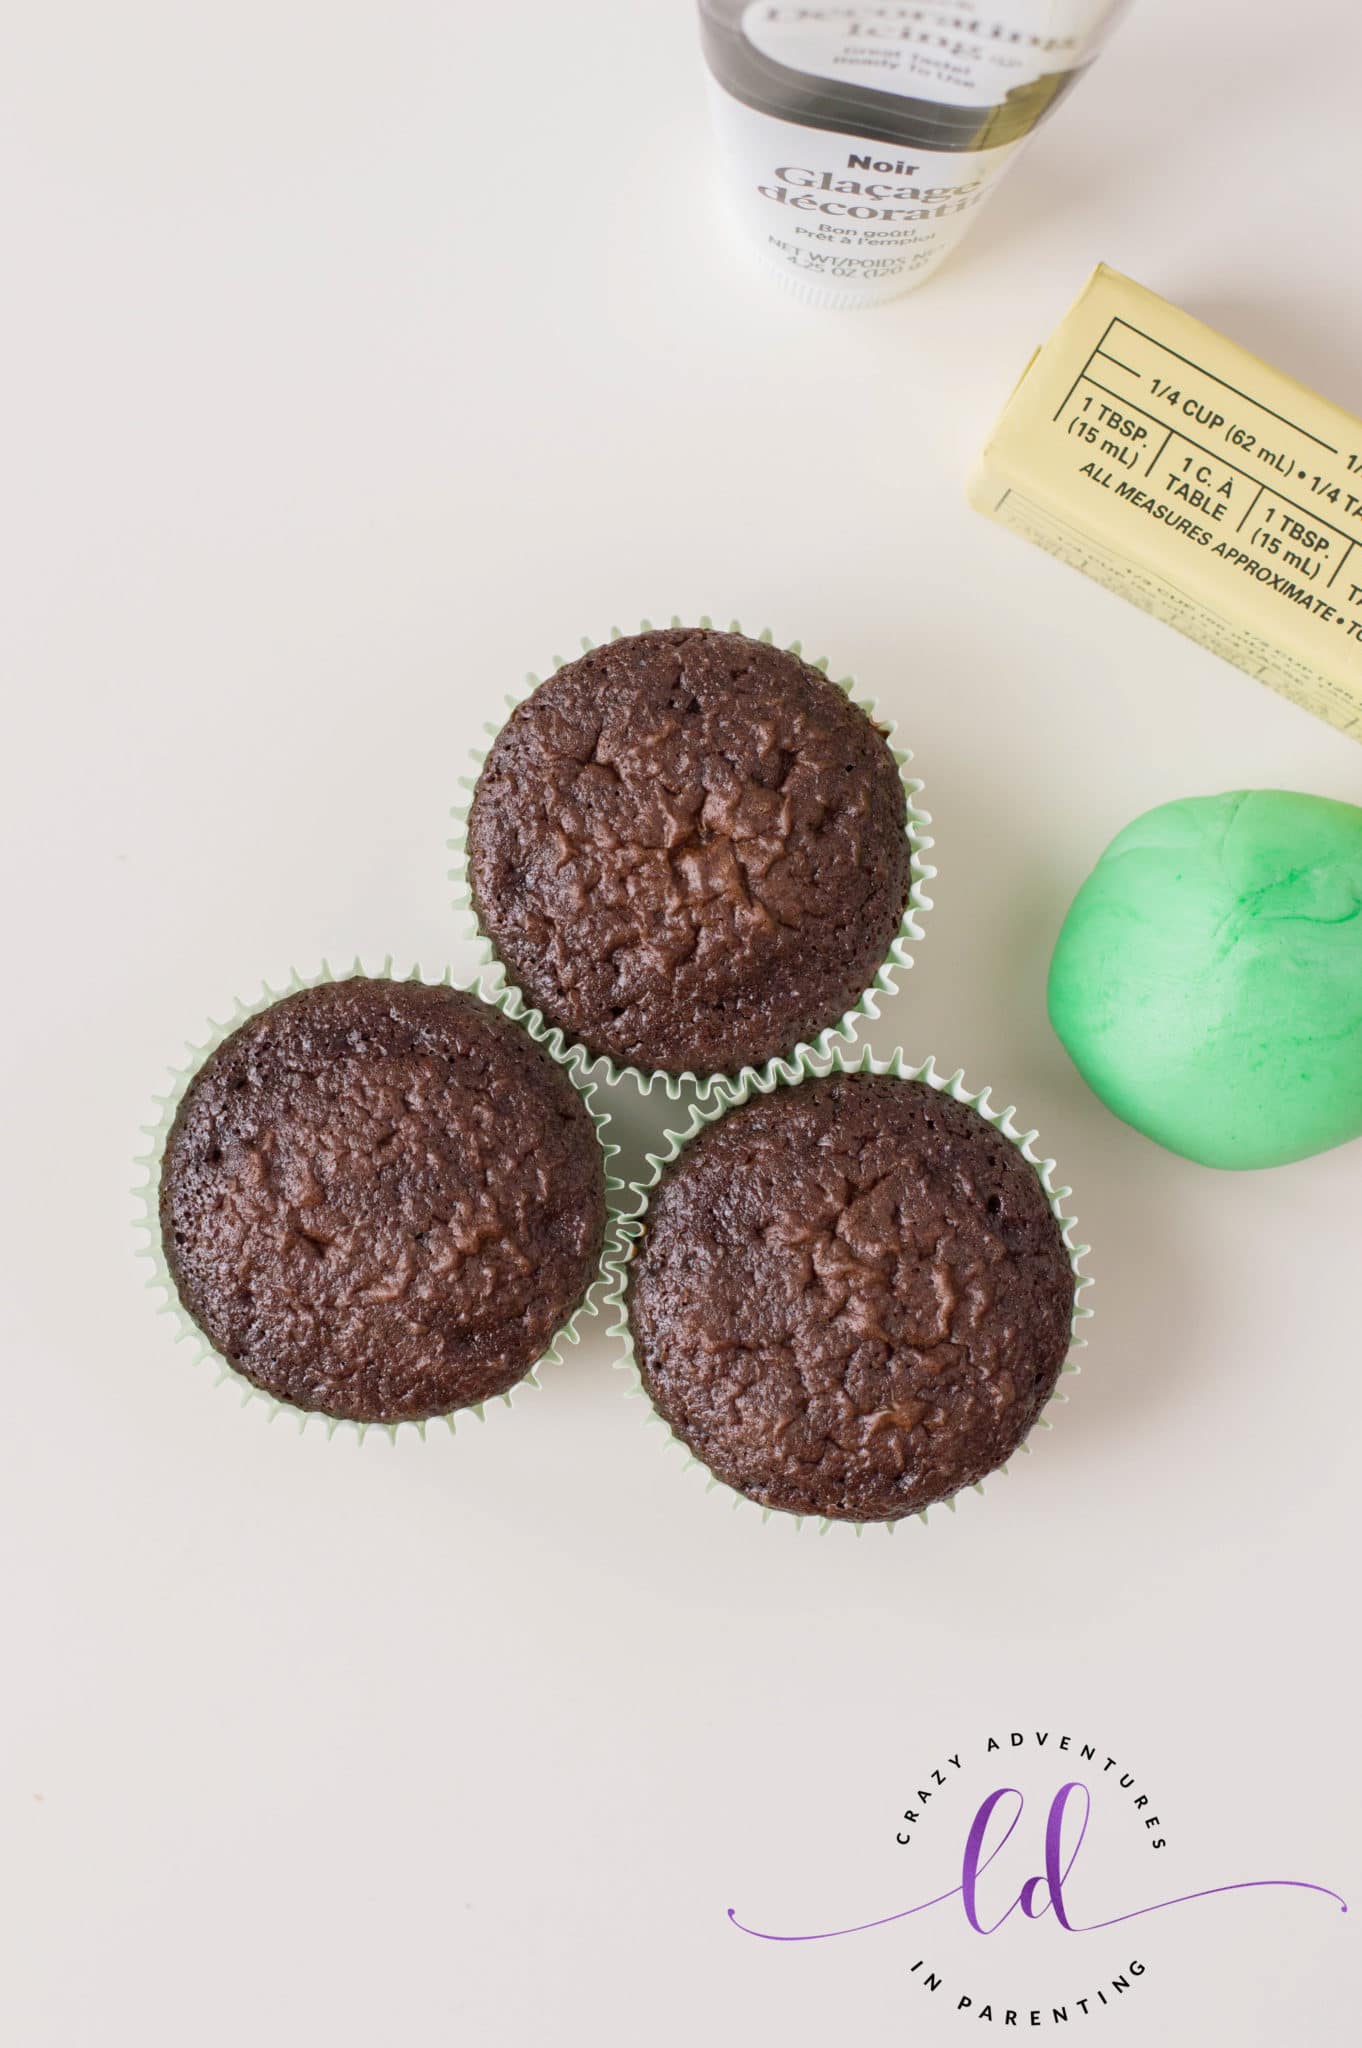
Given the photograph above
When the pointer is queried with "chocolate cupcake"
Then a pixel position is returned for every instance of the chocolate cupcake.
(852, 1297)
(688, 850)
(380, 1200)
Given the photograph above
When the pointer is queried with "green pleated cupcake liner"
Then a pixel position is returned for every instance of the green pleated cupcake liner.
(495, 984)
(159, 1280)
(729, 1094)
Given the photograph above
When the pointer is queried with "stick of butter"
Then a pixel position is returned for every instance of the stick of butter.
(1198, 482)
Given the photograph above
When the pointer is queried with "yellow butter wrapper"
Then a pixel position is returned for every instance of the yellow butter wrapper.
(1197, 481)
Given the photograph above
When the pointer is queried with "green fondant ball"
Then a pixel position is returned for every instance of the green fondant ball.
(1207, 981)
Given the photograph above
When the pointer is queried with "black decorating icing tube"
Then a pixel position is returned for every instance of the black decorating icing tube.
(858, 141)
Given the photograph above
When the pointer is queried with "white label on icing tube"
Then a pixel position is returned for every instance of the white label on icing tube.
(843, 217)
(930, 51)
(849, 185)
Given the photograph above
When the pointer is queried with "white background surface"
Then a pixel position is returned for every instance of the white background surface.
(358, 359)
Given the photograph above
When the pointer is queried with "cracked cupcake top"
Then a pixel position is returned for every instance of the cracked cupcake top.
(851, 1297)
(688, 849)
(381, 1200)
